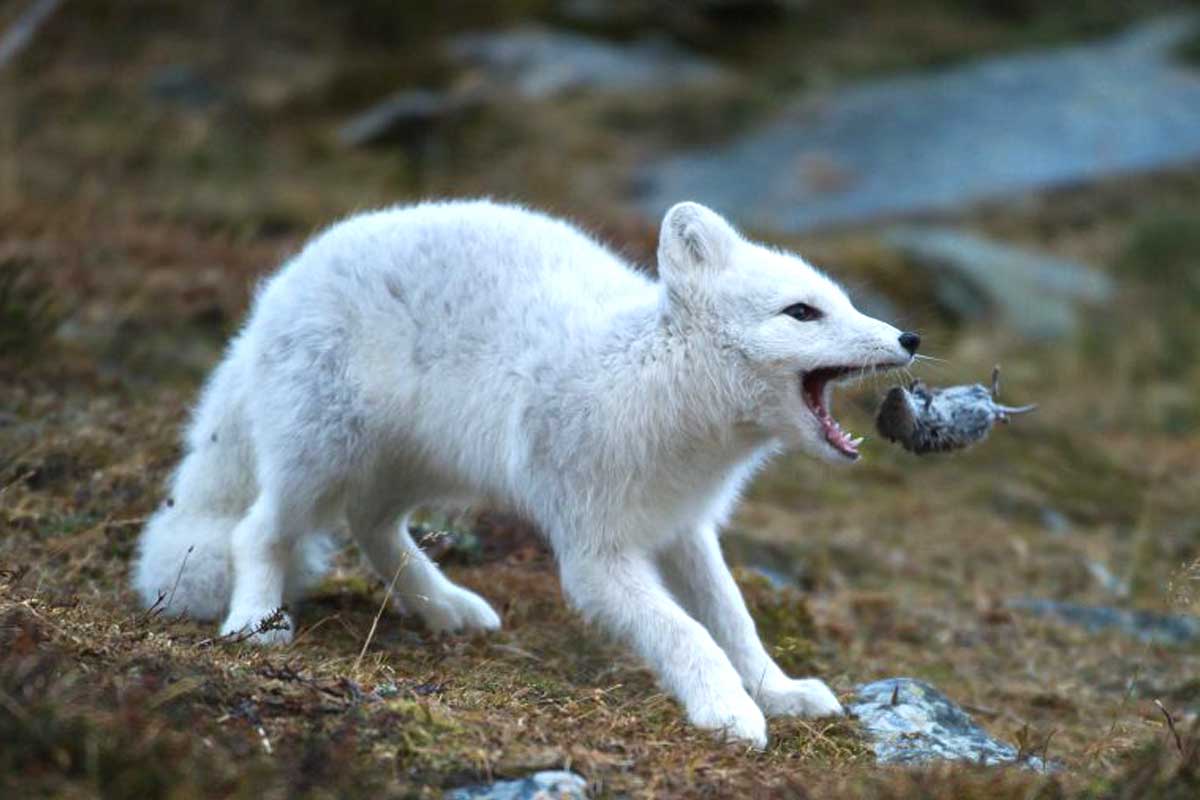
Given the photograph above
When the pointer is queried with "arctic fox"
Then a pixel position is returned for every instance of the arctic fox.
(463, 351)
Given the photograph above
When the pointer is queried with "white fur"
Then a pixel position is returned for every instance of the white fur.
(469, 350)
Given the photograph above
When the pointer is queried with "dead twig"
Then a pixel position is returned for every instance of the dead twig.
(276, 620)
(179, 576)
(375, 622)
(1171, 725)
(153, 610)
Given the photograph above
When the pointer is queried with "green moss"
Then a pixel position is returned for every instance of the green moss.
(421, 737)
(781, 614)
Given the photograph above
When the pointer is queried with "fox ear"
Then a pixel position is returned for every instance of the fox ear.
(694, 239)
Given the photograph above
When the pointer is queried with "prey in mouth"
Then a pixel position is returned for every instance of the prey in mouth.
(817, 388)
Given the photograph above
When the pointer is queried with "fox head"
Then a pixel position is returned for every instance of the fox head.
(788, 332)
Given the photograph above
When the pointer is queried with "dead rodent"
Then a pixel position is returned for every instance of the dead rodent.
(925, 420)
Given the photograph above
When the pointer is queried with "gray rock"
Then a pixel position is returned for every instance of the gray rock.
(1104, 576)
(1035, 294)
(539, 63)
(777, 564)
(941, 139)
(910, 722)
(776, 578)
(20, 32)
(406, 116)
(551, 785)
(1054, 521)
(1148, 626)
(386, 690)
(183, 85)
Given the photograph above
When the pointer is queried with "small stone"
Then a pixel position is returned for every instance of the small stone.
(550, 785)
(183, 85)
(406, 116)
(1054, 521)
(1105, 577)
(910, 722)
(386, 690)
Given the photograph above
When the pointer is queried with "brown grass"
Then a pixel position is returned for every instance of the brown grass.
(149, 224)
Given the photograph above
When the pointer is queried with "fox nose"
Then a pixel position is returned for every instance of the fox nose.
(910, 342)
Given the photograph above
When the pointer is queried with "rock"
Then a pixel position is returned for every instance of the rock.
(551, 785)
(774, 563)
(942, 139)
(1054, 521)
(407, 116)
(20, 31)
(1148, 626)
(386, 690)
(1035, 294)
(910, 722)
(183, 85)
(539, 63)
(1119, 587)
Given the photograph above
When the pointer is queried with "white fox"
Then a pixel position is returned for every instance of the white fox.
(464, 351)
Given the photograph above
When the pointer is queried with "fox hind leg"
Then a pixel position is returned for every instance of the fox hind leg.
(262, 553)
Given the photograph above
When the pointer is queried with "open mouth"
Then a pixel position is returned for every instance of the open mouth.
(817, 388)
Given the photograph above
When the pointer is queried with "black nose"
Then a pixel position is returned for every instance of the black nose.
(910, 342)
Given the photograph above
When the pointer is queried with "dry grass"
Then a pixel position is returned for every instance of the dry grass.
(150, 222)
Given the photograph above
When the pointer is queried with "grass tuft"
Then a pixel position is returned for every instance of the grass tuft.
(28, 311)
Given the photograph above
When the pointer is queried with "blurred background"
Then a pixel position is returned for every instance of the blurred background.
(1018, 181)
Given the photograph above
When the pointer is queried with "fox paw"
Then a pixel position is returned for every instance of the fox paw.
(454, 609)
(258, 627)
(801, 697)
(733, 716)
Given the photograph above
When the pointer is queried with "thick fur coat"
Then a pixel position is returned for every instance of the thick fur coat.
(469, 351)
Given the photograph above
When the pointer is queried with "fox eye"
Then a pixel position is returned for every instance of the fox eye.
(803, 312)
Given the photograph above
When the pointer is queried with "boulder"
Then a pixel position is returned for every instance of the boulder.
(938, 140)
(1035, 294)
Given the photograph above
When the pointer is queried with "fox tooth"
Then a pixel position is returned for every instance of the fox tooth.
(856, 442)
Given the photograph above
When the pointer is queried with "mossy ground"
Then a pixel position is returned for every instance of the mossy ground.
(134, 228)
